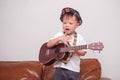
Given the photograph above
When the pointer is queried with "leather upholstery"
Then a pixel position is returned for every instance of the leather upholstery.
(34, 70)
(20, 70)
(90, 69)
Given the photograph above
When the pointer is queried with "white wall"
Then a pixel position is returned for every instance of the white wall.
(26, 24)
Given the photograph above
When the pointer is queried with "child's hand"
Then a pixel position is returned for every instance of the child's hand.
(65, 38)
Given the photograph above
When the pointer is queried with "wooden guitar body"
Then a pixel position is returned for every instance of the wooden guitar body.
(48, 56)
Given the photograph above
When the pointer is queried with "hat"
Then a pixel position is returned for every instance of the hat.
(72, 11)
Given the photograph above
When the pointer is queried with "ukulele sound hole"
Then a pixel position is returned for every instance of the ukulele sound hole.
(57, 51)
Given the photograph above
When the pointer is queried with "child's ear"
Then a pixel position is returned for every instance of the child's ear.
(78, 24)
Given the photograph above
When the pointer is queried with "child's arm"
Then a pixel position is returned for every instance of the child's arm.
(79, 52)
(64, 38)
(53, 42)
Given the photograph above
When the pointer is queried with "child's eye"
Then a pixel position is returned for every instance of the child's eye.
(70, 23)
(64, 22)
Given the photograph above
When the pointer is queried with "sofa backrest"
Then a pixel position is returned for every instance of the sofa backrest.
(34, 70)
(90, 70)
(20, 70)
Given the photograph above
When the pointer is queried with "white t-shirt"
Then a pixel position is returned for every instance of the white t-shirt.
(74, 63)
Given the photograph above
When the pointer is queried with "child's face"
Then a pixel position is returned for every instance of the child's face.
(69, 23)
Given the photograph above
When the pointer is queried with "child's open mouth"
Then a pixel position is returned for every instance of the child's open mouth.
(67, 29)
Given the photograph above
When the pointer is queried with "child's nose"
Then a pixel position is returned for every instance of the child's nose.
(67, 25)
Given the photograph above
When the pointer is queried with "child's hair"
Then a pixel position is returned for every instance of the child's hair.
(71, 12)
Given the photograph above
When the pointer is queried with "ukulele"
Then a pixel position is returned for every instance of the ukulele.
(48, 56)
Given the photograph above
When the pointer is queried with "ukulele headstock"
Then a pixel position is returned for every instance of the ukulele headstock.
(96, 46)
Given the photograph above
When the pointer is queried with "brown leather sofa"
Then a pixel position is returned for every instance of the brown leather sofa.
(34, 70)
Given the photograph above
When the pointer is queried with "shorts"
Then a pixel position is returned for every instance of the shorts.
(65, 74)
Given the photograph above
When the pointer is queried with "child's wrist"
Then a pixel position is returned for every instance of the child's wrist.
(59, 39)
